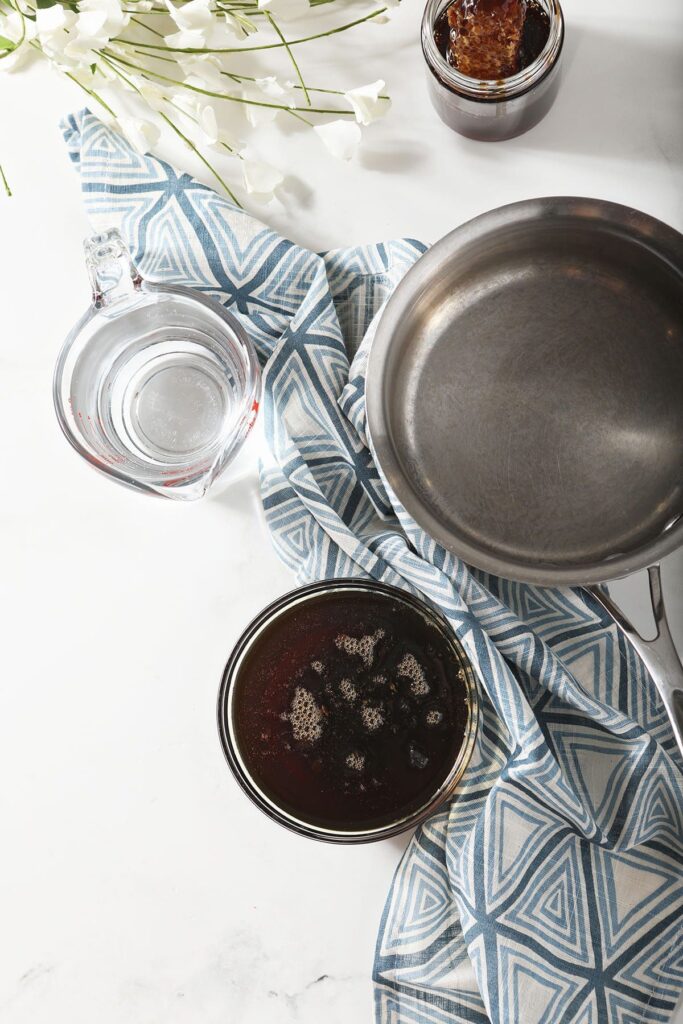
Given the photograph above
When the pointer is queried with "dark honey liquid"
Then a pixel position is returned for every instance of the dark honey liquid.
(534, 35)
(351, 709)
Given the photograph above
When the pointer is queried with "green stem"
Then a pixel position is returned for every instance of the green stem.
(221, 95)
(203, 159)
(247, 49)
(272, 21)
(195, 120)
(300, 117)
(90, 92)
(5, 183)
(213, 10)
(149, 28)
(178, 132)
(250, 78)
(156, 56)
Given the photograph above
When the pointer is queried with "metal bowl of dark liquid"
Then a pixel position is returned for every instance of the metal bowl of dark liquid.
(348, 711)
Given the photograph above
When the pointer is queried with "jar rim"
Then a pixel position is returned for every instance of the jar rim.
(492, 89)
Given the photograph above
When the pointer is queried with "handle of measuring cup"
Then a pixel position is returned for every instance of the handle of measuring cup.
(113, 275)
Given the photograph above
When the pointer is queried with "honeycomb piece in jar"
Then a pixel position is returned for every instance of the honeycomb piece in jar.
(486, 37)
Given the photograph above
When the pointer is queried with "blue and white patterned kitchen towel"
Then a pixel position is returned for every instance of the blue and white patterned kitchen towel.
(551, 891)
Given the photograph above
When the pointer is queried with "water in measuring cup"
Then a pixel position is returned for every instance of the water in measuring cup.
(169, 391)
(170, 400)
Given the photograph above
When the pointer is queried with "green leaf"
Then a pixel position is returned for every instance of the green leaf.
(6, 44)
(42, 5)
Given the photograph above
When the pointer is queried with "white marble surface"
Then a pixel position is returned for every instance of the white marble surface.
(137, 884)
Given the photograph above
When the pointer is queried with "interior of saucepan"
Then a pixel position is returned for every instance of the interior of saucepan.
(533, 394)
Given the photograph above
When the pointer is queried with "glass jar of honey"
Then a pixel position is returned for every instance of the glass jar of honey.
(487, 108)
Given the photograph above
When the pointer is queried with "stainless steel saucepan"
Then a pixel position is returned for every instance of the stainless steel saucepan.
(525, 401)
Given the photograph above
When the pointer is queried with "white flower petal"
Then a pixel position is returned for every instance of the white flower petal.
(191, 16)
(285, 10)
(270, 86)
(91, 23)
(53, 19)
(193, 40)
(366, 103)
(186, 102)
(239, 26)
(208, 124)
(274, 90)
(342, 138)
(255, 114)
(113, 17)
(152, 94)
(11, 28)
(259, 177)
(204, 70)
(142, 134)
(52, 28)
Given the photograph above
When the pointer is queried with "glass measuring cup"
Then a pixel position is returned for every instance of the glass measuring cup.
(157, 386)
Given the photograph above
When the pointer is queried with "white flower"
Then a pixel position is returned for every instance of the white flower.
(285, 10)
(119, 50)
(142, 134)
(260, 178)
(96, 79)
(86, 37)
(255, 114)
(195, 21)
(276, 91)
(113, 17)
(192, 16)
(202, 117)
(202, 70)
(73, 38)
(382, 19)
(238, 26)
(153, 95)
(20, 32)
(366, 102)
(185, 101)
(53, 25)
(267, 97)
(208, 124)
(341, 138)
(186, 40)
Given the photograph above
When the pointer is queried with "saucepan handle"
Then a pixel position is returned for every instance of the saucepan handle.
(660, 655)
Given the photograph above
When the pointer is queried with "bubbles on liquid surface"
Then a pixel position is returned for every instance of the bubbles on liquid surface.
(434, 717)
(318, 667)
(348, 690)
(410, 668)
(372, 716)
(363, 647)
(305, 717)
(355, 761)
